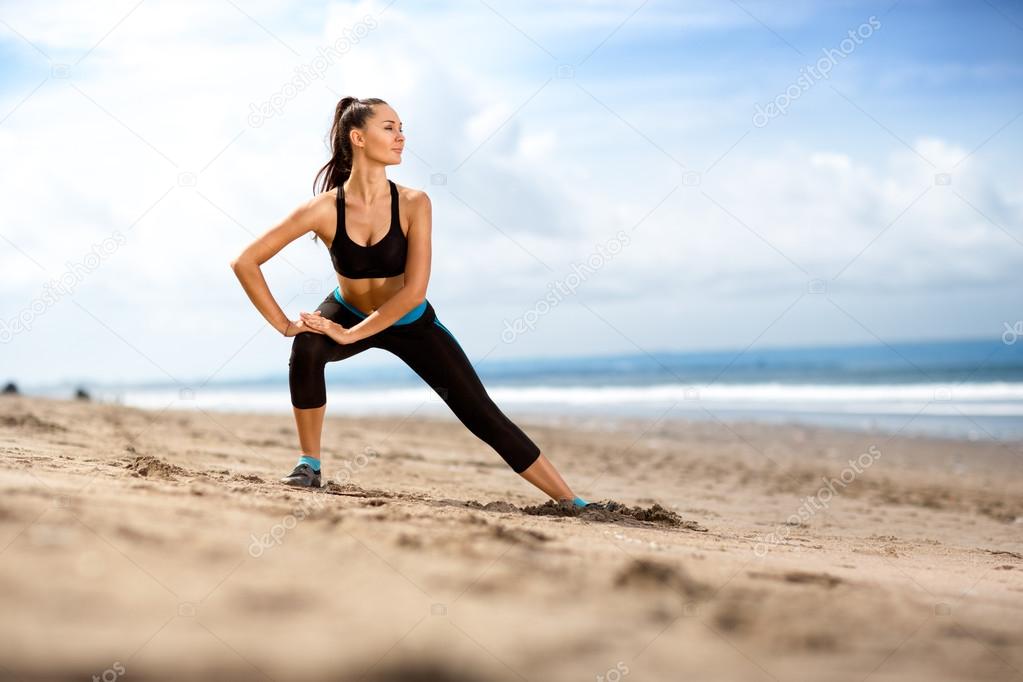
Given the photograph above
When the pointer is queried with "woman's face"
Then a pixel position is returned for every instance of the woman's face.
(382, 138)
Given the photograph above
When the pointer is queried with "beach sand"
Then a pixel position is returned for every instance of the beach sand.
(159, 545)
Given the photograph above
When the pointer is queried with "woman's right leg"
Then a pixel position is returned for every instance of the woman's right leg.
(310, 353)
(310, 427)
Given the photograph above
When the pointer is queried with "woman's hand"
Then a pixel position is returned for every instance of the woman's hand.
(296, 327)
(315, 322)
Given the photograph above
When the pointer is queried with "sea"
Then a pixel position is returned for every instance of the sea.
(968, 389)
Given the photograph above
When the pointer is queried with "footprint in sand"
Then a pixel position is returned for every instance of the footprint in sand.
(802, 577)
(647, 573)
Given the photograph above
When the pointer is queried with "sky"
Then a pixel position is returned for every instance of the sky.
(605, 177)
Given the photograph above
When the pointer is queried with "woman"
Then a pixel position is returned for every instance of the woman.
(381, 298)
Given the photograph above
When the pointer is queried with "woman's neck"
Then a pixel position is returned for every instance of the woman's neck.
(367, 185)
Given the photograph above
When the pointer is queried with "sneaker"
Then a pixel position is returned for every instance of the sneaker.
(303, 476)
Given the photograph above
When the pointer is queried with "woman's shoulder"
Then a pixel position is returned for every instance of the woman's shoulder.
(412, 197)
(320, 213)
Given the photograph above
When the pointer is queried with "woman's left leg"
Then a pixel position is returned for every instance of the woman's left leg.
(435, 355)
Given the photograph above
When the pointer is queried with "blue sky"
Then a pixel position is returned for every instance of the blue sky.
(883, 205)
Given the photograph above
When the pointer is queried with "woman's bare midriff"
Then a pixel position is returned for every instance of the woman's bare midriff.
(370, 293)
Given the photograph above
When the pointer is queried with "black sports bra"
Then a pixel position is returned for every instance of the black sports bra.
(385, 258)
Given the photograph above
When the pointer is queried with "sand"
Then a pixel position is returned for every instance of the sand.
(159, 545)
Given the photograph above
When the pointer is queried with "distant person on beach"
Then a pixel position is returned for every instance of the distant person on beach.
(378, 237)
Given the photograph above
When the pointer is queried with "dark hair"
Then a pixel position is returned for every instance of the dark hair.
(350, 112)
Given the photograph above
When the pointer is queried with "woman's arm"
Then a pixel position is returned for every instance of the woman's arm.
(305, 218)
(412, 293)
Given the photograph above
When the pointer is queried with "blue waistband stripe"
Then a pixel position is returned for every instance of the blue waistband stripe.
(408, 318)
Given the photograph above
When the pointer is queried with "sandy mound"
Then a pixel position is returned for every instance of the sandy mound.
(615, 512)
(153, 467)
(29, 422)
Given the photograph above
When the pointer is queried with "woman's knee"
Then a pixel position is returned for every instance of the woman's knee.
(481, 415)
(470, 406)
(305, 370)
(309, 349)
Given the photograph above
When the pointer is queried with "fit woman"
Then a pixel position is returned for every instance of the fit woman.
(381, 298)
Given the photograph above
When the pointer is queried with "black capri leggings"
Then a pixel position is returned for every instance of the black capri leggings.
(425, 345)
